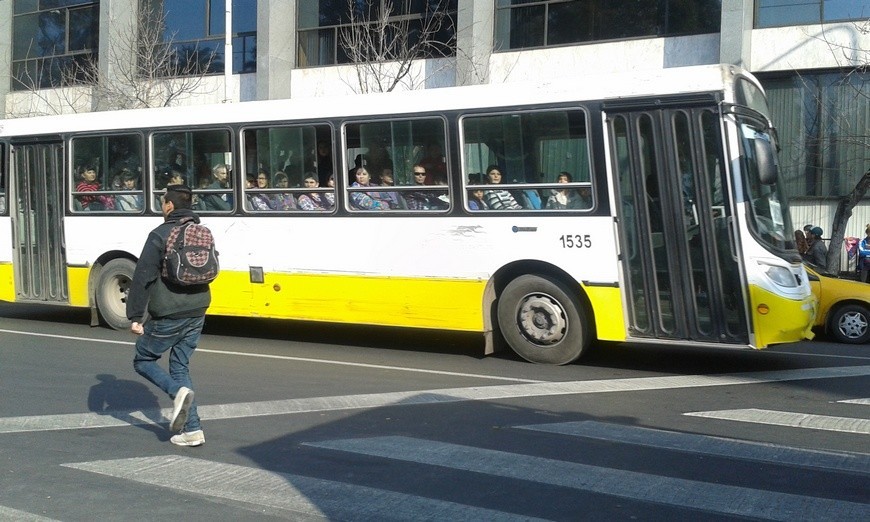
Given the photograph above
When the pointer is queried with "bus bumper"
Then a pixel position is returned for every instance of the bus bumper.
(781, 320)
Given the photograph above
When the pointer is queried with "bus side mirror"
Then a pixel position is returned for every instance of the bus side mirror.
(768, 170)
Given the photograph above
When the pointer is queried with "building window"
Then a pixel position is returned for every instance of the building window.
(522, 24)
(51, 37)
(780, 13)
(821, 119)
(196, 29)
(413, 28)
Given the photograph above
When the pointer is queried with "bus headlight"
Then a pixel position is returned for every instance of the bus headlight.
(780, 275)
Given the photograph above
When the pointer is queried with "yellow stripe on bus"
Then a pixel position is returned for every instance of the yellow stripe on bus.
(606, 301)
(7, 282)
(449, 304)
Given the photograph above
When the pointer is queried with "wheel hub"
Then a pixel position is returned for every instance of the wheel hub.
(542, 319)
(853, 325)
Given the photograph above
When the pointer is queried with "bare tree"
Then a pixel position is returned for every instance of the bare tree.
(145, 68)
(383, 43)
(856, 60)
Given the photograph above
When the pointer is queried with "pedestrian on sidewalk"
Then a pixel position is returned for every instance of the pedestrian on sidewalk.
(176, 315)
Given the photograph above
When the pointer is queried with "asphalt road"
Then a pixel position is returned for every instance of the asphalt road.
(313, 422)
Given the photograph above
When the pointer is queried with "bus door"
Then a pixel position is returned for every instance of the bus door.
(679, 258)
(37, 213)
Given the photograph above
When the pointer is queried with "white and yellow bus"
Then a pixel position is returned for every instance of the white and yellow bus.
(672, 227)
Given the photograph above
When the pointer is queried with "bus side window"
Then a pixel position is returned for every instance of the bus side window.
(529, 155)
(404, 160)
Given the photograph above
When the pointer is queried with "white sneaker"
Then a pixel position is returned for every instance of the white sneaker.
(180, 409)
(193, 438)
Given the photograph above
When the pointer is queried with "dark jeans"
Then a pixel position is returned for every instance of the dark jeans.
(179, 337)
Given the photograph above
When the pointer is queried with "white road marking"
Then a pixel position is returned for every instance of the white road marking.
(418, 397)
(311, 498)
(703, 496)
(288, 358)
(709, 445)
(790, 419)
(21, 516)
(865, 402)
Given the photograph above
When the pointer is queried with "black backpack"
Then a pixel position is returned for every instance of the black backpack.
(190, 257)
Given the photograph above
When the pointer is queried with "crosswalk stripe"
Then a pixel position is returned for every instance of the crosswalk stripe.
(436, 396)
(703, 496)
(709, 445)
(21, 516)
(305, 496)
(856, 401)
(790, 419)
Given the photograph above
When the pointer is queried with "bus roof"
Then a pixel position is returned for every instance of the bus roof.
(705, 78)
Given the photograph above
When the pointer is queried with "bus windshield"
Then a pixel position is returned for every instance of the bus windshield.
(769, 217)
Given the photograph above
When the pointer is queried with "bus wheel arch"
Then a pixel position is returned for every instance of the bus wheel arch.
(542, 313)
(111, 282)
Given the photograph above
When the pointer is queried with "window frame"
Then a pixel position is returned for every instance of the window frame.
(293, 192)
(591, 185)
(396, 188)
(46, 71)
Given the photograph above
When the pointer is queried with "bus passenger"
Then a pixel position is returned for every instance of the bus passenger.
(128, 202)
(284, 200)
(564, 198)
(476, 201)
(220, 173)
(324, 162)
(394, 199)
(423, 199)
(258, 201)
(317, 201)
(367, 200)
(499, 199)
(89, 183)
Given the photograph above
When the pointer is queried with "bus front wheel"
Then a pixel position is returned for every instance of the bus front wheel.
(112, 288)
(542, 320)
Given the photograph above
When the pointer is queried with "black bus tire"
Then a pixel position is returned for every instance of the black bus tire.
(112, 288)
(542, 321)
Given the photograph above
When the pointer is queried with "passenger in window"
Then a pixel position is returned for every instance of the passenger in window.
(220, 174)
(476, 201)
(423, 199)
(498, 199)
(257, 201)
(315, 201)
(395, 200)
(565, 198)
(89, 183)
(358, 161)
(285, 200)
(129, 202)
(324, 162)
(434, 163)
(367, 200)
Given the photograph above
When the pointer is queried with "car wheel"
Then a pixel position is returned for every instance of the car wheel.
(850, 324)
(112, 288)
(542, 321)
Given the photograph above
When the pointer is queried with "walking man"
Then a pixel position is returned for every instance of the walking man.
(177, 314)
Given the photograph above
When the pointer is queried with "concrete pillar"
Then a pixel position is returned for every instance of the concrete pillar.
(276, 47)
(117, 47)
(474, 41)
(735, 45)
(5, 53)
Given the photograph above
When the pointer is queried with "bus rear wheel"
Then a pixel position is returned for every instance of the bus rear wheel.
(112, 289)
(542, 320)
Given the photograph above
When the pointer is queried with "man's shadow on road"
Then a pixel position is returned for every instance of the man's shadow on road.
(128, 401)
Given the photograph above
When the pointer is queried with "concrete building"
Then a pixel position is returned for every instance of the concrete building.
(805, 52)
